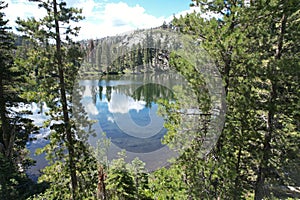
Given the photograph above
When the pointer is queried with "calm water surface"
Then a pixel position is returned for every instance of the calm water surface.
(125, 108)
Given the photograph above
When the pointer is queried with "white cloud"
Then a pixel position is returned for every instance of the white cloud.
(91, 108)
(101, 19)
(22, 9)
(110, 119)
(117, 18)
(89, 105)
(120, 14)
(91, 10)
(87, 101)
(121, 103)
(184, 12)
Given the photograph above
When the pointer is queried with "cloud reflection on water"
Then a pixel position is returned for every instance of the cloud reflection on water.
(121, 103)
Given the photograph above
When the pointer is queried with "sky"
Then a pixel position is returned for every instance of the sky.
(108, 17)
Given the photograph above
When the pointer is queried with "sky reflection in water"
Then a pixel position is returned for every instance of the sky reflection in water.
(127, 112)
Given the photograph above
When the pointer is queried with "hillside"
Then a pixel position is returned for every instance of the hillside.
(134, 52)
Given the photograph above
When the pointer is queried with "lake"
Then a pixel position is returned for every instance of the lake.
(129, 120)
(125, 108)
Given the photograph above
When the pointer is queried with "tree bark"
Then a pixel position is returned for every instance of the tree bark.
(101, 192)
(7, 131)
(263, 167)
(68, 131)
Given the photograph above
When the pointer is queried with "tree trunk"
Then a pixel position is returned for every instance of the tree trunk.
(260, 181)
(238, 172)
(66, 120)
(101, 193)
(7, 133)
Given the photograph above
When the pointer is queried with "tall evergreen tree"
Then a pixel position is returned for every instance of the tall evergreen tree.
(120, 183)
(14, 128)
(57, 59)
(8, 95)
(252, 58)
(277, 94)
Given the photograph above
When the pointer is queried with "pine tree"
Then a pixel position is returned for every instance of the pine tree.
(119, 182)
(57, 59)
(274, 37)
(14, 128)
(220, 38)
(8, 94)
(168, 183)
(253, 58)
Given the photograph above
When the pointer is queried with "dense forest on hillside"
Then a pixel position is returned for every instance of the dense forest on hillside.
(115, 54)
(253, 44)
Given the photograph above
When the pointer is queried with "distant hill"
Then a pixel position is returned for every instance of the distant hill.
(134, 52)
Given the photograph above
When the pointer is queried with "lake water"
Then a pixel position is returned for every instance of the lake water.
(125, 108)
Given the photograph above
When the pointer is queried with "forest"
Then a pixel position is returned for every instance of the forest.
(255, 47)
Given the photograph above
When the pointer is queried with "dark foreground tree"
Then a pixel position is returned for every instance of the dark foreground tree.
(253, 46)
(14, 129)
(56, 59)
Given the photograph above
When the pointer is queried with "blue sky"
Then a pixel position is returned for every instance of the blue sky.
(108, 17)
(160, 8)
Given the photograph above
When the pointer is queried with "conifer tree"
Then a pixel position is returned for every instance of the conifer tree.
(57, 58)
(14, 128)
(253, 58)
